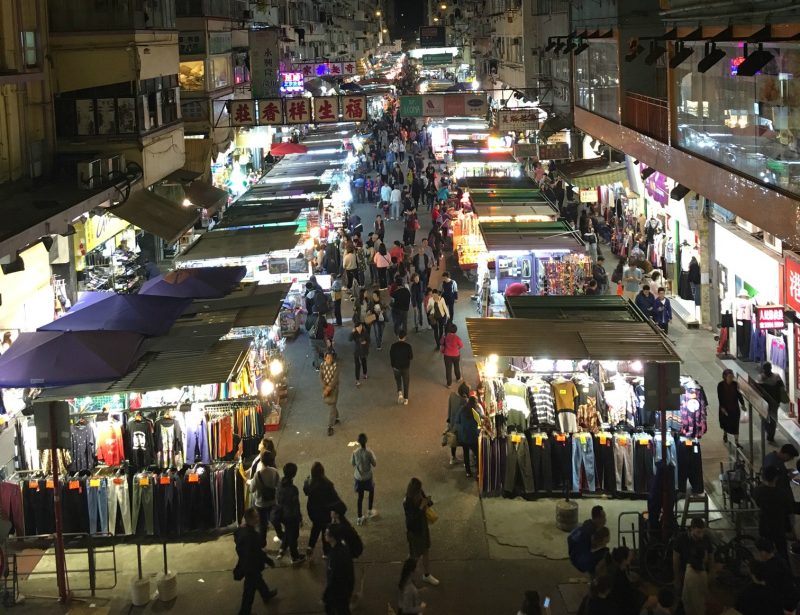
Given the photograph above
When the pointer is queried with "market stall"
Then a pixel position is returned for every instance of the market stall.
(485, 162)
(565, 405)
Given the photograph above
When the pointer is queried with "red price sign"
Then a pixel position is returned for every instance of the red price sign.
(770, 316)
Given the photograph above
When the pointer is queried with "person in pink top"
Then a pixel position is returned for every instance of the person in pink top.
(451, 351)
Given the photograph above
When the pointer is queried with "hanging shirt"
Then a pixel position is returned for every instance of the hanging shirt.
(83, 447)
(694, 422)
(540, 399)
(110, 449)
(621, 403)
(565, 394)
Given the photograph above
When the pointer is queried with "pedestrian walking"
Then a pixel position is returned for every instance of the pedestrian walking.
(773, 384)
(467, 432)
(438, 315)
(423, 262)
(417, 299)
(252, 560)
(775, 504)
(322, 497)
(730, 401)
(340, 573)
(315, 325)
(380, 227)
(408, 600)
(631, 278)
(394, 201)
(400, 355)
(415, 506)
(287, 514)
(455, 403)
(379, 323)
(662, 310)
(646, 302)
(363, 460)
(382, 263)
(449, 294)
(263, 484)
(600, 276)
(336, 294)
(401, 303)
(451, 351)
(362, 307)
(354, 544)
(350, 263)
(329, 378)
(360, 339)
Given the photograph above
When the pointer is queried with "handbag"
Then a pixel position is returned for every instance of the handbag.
(449, 439)
(370, 318)
(431, 516)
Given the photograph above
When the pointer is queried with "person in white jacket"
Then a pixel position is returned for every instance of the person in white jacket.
(438, 316)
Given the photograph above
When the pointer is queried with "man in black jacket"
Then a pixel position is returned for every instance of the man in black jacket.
(250, 543)
(341, 577)
(401, 303)
(400, 355)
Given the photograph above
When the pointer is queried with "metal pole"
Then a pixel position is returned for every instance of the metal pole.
(139, 559)
(666, 513)
(61, 569)
(164, 547)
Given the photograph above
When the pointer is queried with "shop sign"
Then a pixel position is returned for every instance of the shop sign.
(475, 105)
(432, 36)
(434, 59)
(326, 109)
(264, 62)
(588, 195)
(298, 110)
(243, 112)
(553, 151)
(95, 231)
(270, 111)
(219, 42)
(791, 283)
(656, 186)
(522, 119)
(769, 316)
(335, 69)
(354, 108)
(433, 106)
(191, 43)
(411, 106)
(345, 68)
(321, 69)
(525, 150)
(454, 104)
(291, 83)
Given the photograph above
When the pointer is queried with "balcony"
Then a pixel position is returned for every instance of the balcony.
(647, 115)
(110, 16)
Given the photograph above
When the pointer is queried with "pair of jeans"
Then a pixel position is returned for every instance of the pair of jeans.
(672, 453)
(365, 486)
(98, 505)
(318, 529)
(452, 364)
(466, 448)
(333, 414)
(382, 277)
(118, 499)
(289, 536)
(583, 457)
(143, 503)
(541, 459)
(253, 582)
(361, 365)
(623, 462)
(337, 311)
(378, 326)
(518, 464)
(417, 309)
(643, 462)
(38, 507)
(402, 377)
(451, 307)
(605, 474)
(438, 330)
(395, 210)
(690, 465)
(561, 448)
(168, 500)
(400, 321)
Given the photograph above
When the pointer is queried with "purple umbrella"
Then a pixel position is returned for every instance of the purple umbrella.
(195, 283)
(145, 314)
(57, 358)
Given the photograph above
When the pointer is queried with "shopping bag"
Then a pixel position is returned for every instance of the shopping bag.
(431, 516)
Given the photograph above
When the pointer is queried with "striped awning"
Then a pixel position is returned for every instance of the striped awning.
(587, 174)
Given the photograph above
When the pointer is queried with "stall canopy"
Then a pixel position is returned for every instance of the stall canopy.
(146, 314)
(571, 340)
(609, 308)
(498, 183)
(592, 173)
(487, 157)
(56, 358)
(195, 283)
(541, 212)
(240, 244)
(248, 217)
(206, 196)
(544, 236)
(156, 215)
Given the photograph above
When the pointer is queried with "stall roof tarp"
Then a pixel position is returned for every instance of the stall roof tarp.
(487, 157)
(521, 197)
(568, 340)
(530, 236)
(498, 183)
(502, 209)
(195, 283)
(251, 295)
(165, 370)
(592, 173)
(157, 215)
(595, 308)
(259, 216)
(240, 243)
(206, 196)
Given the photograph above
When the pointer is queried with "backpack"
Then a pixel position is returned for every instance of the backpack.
(353, 541)
(321, 302)
(580, 549)
(437, 311)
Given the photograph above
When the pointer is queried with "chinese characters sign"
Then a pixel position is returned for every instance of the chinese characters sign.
(292, 83)
(326, 109)
(769, 316)
(264, 62)
(345, 68)
(354, 108)
(792, 283)
(520, 119)
(439, 105)
(270, 111)
(243, 112)
(297, 110)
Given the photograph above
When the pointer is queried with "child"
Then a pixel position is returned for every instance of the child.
(336, 291)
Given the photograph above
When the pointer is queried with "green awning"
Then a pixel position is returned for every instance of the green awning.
(544, 236)
(588, 174)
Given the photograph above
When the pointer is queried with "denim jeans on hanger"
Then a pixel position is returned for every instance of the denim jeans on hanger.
(117, 493)
(623, 461)
(643, 462)
(582, 456)
(143, 502)
(672, 453)
(97, 493)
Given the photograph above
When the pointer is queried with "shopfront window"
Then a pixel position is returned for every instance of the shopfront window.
(219, 72)
(597, 79)
(192, 76)
(749, 124)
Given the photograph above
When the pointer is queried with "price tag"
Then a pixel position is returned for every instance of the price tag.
(119, 481)
(164, 480)
(193, 478)
(644, 441)
(688, 443)
(622, 441)
(560, 437)
(538, 440)
(94, 482)
(602, 440)
(33, 484)
(563, 391)
(50, 484)
(582, 438)
(516, 438)
(74, 484)
(144, 482)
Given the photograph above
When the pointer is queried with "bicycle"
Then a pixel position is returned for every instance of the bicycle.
(736, 556)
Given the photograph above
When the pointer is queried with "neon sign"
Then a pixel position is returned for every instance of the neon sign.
(292, 83)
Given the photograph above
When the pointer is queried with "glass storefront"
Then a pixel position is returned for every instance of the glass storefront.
(749, 124)
(597, 79)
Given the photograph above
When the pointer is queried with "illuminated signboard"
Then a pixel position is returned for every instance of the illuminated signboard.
(770, 316)
(292, 83)
(735, 62)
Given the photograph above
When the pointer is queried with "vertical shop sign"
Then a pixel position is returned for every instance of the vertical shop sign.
(326, 109)
(354, 108)
(243, 112)
(791, 285)
(270, 112)
(264, 62)
(433, 105)
(298, 110)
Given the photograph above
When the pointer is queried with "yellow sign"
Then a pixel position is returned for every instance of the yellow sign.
(94, 232)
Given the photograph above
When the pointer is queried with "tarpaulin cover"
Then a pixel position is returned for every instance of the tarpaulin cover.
(146, 314)
(58, 358)
(195, 283)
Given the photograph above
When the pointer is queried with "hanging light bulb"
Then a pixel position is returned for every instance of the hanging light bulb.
(276, 367)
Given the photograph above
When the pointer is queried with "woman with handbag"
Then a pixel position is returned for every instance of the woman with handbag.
(419, 513)
(360, 338)
(329, 378)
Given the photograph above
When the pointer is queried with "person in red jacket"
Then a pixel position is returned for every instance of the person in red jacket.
(451, 346)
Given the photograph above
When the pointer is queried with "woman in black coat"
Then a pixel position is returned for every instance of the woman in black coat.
(322, 497)
(730, 402)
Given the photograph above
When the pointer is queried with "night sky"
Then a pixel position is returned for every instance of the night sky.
(409, 16)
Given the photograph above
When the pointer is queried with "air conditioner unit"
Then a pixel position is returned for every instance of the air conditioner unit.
(91, 173)
(116, 165)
